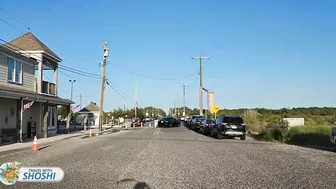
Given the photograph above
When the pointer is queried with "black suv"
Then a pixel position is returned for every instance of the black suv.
(229, 125)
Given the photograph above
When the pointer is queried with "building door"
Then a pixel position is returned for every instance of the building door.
(52, 122)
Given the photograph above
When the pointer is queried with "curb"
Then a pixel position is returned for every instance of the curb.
(41, 145)
(101, 133)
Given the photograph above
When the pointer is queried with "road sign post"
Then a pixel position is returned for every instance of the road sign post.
(215, 109)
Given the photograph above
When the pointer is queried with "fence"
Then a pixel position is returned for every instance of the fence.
(152, 123)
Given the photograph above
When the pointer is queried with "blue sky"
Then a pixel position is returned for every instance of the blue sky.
(264, 53)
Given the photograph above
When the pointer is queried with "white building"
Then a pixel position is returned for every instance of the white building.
(91, 113)
(293, 122)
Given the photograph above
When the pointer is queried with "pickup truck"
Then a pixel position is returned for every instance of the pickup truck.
(333, 135)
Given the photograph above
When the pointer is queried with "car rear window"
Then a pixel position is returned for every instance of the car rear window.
(233, 120)
(210, 121)
(170, 119)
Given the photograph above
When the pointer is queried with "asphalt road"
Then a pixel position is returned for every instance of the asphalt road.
(179, 158)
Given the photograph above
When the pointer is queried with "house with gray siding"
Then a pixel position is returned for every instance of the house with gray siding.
(19, 60)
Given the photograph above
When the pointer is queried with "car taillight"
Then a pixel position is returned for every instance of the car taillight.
(224, 124)
(242, 124)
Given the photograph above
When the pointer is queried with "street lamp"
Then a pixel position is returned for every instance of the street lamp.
(72, 82)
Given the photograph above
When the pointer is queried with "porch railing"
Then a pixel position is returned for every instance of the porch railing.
(48, 88)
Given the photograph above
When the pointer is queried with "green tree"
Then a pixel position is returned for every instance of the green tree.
(62, 111)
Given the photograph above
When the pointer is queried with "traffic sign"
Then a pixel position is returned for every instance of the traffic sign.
(215, 108)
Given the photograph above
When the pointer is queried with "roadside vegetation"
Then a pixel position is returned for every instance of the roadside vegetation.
(263, 124)
(267, 125)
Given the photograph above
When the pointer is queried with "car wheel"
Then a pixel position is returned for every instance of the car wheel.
(212, 133)
(219, 135)
(201, 130)
(243, 137)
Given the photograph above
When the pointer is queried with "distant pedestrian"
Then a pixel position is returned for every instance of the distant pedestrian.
(31, 128)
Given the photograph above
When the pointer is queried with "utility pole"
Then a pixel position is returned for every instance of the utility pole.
(103, 82)
(136, 99)
(81, 100)
(201, 84)
(184, 98)
(124, 105)
(178, 108)
(207, 92)
(72, 82)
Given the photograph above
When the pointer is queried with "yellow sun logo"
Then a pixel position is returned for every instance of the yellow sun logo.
(9, 173)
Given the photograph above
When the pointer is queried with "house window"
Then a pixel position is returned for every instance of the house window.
(14, 71)
(52, 117)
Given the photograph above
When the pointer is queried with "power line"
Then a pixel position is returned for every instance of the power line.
(65, 74)
(77, 95)
(56, 85)
(24, 25)
(148, 77)
(120, 92)
(108, 83)
(60, 65)
(194, 82)
(11, 25)
(7, 44)
(79, 72)
(128, 97)
(58, 18)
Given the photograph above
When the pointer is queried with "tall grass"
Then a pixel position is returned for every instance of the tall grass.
(310, 135)
(255, 127)
(304, 135)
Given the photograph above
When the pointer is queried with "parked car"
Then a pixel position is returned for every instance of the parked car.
(147, 119)
(206, 126)
(168, 122)
(229, 125)
(191, 118)
(196, 123)
(136, 122)
(182, 118)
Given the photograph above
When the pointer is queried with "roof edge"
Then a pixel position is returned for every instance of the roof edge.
(56, 58)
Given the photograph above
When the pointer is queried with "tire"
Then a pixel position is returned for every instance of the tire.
(243, 137)
(201, 130)
(219, 136)
(212, 133)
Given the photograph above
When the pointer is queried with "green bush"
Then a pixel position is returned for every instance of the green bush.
(304, 135)
(255, 127)
(310, 135)
(266, 135)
